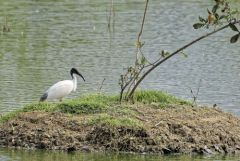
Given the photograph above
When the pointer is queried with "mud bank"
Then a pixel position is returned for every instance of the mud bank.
(141, 128)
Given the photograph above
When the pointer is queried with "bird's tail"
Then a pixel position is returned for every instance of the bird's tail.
(44, 97)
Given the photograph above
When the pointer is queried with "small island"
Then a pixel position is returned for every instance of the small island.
(155, 123)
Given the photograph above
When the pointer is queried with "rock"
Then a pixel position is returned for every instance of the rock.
(86, 149)
(206, 150)
(166, 150)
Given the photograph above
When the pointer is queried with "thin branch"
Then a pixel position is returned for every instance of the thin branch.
(174, 53)
(133, 80)
(145, 11)
(141, 30)
(124, 87)
(110, 17)
(199, 85)
(101, 85)
(152, 64)
(195, 96)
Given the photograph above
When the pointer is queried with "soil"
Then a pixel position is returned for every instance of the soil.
(171, 130)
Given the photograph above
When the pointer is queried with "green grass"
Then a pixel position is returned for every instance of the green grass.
(88, 104)
(100, 103)
(44, 106)
(8, 116)
(162, 99)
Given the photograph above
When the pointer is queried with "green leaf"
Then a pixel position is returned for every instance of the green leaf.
(198, 25)
(233, 27)
(235, 38)
(143, 61)
(202, 19)
(164, 53)
(214, 9)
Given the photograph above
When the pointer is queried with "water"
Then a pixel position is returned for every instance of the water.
(48, 38)
(25, 155)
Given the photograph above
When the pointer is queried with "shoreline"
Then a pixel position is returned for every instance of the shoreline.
(157, 124)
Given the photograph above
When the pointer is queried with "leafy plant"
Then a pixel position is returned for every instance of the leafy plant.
(221, 15)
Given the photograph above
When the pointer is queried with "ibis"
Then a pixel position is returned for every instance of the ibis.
(62, 88)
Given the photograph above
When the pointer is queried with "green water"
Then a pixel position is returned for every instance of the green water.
(27, 155)
(48, 37)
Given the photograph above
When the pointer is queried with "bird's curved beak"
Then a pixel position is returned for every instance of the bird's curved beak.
(81, 76)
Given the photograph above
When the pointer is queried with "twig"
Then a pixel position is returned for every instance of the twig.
(100, 87)
(124, 87)
(133, 81)
(145, 11)
(152, 64)
(141, 30)
(111, 17)
(195, 96)
(199, 85)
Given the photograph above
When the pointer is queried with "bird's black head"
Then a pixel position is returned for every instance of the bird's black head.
(75, 71)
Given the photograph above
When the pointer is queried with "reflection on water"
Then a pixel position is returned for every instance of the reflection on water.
(29, 155)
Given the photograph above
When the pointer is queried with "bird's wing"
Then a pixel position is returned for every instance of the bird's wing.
(60, 89)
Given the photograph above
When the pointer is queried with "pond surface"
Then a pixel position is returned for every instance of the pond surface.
(49, 37)
(28, 155)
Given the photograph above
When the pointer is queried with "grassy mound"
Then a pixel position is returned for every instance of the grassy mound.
(155, 123)
(98, 103)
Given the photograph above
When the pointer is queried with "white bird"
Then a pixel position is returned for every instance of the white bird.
(62, 88)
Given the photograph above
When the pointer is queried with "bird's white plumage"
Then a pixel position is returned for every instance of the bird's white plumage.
(60, 89)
